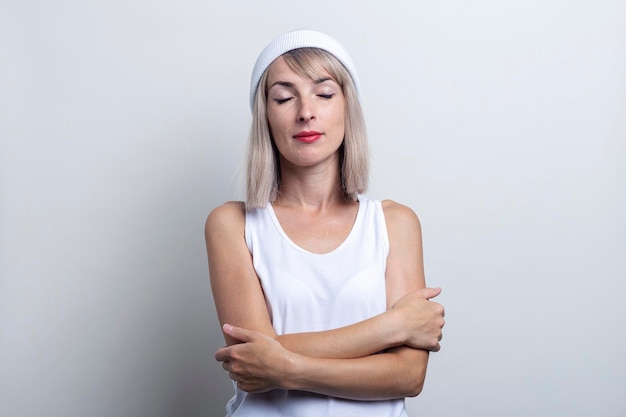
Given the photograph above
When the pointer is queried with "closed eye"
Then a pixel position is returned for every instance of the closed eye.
(282, 100)
(327, 96)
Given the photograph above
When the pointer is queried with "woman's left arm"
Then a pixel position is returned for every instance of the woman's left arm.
(260, 363)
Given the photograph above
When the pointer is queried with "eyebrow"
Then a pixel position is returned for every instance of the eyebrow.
(291, 85)
(321, 80)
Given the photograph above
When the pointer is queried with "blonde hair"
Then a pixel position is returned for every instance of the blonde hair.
(263, 163)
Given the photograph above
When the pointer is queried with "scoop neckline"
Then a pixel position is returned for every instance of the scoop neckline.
(286, 237)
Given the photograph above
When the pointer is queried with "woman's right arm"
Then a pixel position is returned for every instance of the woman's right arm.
(239, 301)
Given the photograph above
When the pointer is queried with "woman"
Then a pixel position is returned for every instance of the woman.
(320, 291)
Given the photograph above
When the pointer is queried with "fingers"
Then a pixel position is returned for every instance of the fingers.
(223, 354)
(238, 333)
(242, 336)
(228, 367)
(429, 293)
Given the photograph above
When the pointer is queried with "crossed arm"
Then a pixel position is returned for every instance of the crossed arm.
(379, 358)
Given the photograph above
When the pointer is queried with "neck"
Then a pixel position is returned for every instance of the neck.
(314, 187)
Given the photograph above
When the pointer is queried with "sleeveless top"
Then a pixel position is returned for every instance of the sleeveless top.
(306, 292)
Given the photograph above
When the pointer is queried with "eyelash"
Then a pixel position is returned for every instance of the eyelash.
(284, 100)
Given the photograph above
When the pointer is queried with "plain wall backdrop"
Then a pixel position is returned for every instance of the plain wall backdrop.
(123, 123)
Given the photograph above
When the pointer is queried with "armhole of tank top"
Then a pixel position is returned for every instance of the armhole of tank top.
(382, 226)
(246, 230)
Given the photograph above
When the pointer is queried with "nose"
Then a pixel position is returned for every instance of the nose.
(306, 112)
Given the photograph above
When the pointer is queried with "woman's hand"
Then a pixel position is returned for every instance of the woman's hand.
(257, 363)
(422, 320)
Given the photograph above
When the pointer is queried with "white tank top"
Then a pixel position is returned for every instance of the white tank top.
(305, 292)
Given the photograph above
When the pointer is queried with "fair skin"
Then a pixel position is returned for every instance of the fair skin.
(379, 358)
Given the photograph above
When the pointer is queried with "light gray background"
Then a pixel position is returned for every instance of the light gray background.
(123, 123)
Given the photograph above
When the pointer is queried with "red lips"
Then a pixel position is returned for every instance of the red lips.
(308, 136)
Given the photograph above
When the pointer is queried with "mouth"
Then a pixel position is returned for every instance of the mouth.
(307, 137)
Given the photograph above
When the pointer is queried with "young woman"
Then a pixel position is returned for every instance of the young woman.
(320, 290)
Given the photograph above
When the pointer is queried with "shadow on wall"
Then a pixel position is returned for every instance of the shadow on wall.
(171, 303)
(116, 316)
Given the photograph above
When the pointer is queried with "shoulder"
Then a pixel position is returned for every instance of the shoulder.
(399, 216)
(405, 268)
(403, 225)
(229, 216)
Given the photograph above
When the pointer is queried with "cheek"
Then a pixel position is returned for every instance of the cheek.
(274, 123)
(271, 124)
(340, 118)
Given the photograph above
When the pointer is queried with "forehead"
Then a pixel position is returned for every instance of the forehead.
(278, 69)
(284, 69)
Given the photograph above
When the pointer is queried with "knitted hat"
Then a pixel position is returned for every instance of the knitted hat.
(299, 39)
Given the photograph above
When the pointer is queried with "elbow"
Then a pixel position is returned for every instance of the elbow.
(415, 388)
(413, 383)
(414, 378)
(412, 372)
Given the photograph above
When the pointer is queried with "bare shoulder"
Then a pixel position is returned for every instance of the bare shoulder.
(228, 217)
(405, 264)
(400, 218)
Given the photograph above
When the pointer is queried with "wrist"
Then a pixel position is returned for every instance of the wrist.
(394, 328)
(295, 369)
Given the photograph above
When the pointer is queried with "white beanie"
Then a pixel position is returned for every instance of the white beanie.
(300, 38)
